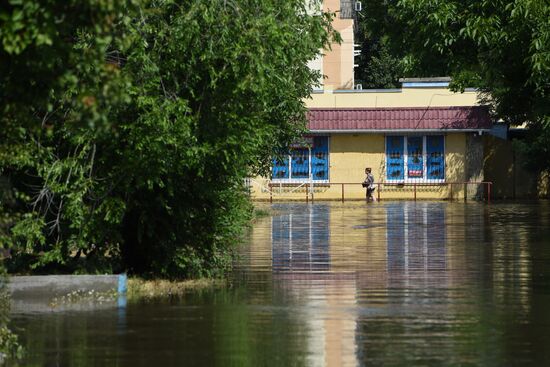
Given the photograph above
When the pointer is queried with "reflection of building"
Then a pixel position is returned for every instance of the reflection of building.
(342, 263)
(351, 271)
(302, 264)
(299, 242)
(406, 282)
(416, 237)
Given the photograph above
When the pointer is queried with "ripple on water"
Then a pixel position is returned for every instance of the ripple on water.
(331, 284)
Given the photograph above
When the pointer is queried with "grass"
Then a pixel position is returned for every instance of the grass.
(148, 289)
(259, 213)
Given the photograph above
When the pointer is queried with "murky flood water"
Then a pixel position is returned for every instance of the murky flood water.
(330, 284)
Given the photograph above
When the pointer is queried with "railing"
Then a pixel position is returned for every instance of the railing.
(310, 188)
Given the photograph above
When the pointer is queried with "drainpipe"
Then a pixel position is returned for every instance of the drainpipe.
(513, 173)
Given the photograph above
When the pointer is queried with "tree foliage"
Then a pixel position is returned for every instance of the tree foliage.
(130, 131)
(501, 47)
(376, 66)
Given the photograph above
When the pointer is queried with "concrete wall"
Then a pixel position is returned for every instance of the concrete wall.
(350, 154)
(338, 61)
(47, 286)
(60, 293)
(406, 97)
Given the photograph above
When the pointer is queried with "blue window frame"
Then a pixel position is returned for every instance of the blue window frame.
(415, 158)
(300, 163)
(319, 158)
(394, 157)
(435, 159)
(304, 162)
(280, 168)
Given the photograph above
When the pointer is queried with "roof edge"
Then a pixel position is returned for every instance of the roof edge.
(396, 131)
(396, 108)
(426, 80)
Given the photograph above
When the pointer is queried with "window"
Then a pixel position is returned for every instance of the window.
(415, 158)
(304, 162)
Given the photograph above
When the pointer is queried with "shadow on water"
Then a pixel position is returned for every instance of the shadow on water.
(330, 284)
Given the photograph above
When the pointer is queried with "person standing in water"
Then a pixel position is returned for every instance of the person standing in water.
(369, 184)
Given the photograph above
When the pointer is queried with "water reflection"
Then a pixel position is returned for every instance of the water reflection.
(416, 238)
(300, 240)
(330, 284)
(334, 265)
(414, 277)
(414, 241)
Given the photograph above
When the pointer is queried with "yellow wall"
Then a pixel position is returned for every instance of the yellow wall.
(350, 154)
(455, 155)
(505, 168)
(407, 97)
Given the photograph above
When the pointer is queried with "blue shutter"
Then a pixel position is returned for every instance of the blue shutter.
(319, 158)
(415, 157)
(300, 163)
(435, 161)
(394, 157)
(280, 168)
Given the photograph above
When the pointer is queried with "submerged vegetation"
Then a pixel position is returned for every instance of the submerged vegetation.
(142, 289)
(128, 127)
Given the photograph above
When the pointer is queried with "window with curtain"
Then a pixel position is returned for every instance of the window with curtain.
(415, 158)
(303, 163)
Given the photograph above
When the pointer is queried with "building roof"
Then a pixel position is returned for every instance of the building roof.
(471, 118)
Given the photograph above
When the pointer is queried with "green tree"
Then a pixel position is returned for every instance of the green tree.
(376, 66)
(386, 45)
(160, 110)
(56, 87)
(500, 46)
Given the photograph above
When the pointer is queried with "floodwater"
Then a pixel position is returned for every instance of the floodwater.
(331, 284)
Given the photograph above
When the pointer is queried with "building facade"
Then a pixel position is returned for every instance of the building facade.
(421, 141)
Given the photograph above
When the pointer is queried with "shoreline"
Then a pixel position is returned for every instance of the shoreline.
(40, 294)
(143, 289)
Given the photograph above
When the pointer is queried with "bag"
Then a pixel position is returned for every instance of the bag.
(364, 184)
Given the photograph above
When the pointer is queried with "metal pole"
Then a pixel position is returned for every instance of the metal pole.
(451, 190)
(414, 192)
(342, 192)
(465, 191)
(270, 193)
(378, 191)
(307, 194)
